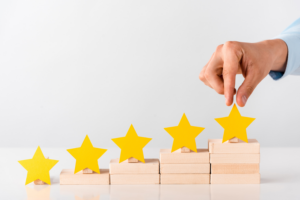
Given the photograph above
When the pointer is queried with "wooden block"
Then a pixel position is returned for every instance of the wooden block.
(185, 168)
(67, 177)
(134, 179)
(184, 179)
(233, 140)
(216, 146)
(151, 166)
(132, 160)
(185, 150)
(87, 171)
(235, 179)
(249, 168)
(201, 157)
(234, 158)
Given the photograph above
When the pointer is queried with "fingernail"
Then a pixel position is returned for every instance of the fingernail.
(244, 99)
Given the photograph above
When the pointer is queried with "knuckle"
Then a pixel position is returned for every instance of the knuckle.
(226, 72)
(206, 74)
(230, 45)
(250, 88)
(201, 76)
(219, 91)
(219, 48)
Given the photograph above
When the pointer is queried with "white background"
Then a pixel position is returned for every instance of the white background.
(71, 68)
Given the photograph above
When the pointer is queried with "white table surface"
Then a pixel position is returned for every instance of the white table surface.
(280, 179)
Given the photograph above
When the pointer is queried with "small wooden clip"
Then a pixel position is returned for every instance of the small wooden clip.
(185, 150)
(132, 160)
(87, 171)
(234, 140)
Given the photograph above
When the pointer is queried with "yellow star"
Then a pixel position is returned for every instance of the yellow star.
(235, 125)
(184, 134)
(87, 156)
(38, 167)
(131, 145)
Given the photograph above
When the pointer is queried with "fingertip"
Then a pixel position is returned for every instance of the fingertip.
(228, 101)
(240, 100)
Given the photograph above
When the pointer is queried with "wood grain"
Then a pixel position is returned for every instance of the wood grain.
(185, 168)
(234, 158)
(199, 157)
(184, 179)
(67, 177)
(151, 166)
(216, 146)
(235, 178)
(249, 168)
(134, 179)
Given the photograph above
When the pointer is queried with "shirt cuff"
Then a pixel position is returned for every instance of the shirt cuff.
(276, 75)
(292, 43)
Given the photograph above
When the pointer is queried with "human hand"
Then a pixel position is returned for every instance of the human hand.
(253, 60)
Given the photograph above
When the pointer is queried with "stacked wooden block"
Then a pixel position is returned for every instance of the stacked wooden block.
(184, 166)
(134, 172)
(234, 163)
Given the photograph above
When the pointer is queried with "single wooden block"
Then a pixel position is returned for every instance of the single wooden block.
(87, 171)
(151, 166)
(134, 179)
(201, 157)
(249, 168)
(233, 140)
(185, 168)
(235, 179)
(234, 158)
(67, 177)
(184, 179)
(216, 146)
(185, 150)
(132, 160)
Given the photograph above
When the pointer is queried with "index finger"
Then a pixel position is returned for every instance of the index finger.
(231, 58)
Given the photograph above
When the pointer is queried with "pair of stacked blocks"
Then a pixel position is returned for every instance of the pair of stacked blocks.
(222, 163)
(234, 163)
(184, 168)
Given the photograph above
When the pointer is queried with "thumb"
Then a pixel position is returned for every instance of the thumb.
(246, 89)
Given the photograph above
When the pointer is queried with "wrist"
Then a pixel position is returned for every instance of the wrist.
(279, 54)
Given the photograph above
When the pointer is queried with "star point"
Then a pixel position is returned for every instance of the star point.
(184, 134)
(87, 156)
(131, 145)
(38, 167)
(235, 125)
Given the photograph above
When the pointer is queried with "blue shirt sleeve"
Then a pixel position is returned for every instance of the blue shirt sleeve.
(291, 36)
